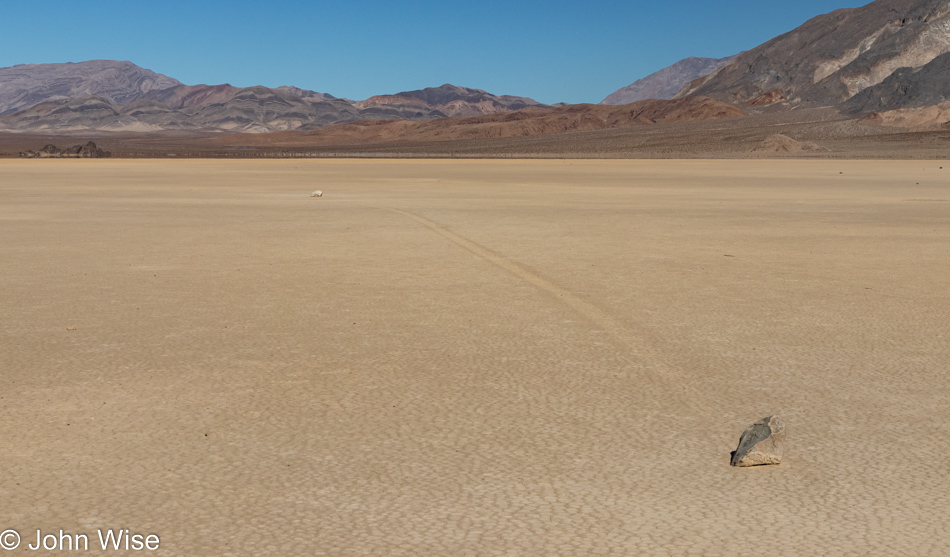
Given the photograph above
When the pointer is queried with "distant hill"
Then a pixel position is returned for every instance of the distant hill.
(117, 82)
(834, 57)
(446, 100)
(665, 83)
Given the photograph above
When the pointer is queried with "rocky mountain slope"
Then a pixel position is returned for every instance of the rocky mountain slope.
(667, 82)
(183, 108)
(117, 82)
(834, 57)
(250, 109)
(928, 85)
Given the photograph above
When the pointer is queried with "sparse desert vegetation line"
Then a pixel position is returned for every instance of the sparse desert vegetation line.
(462, 357)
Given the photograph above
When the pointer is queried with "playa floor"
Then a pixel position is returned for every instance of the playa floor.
(476, 357)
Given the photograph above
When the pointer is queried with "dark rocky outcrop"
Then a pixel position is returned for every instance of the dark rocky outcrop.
(86, 151)
(761, 443)
(905, 88)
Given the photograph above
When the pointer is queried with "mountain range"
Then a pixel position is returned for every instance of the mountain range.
(886, 56)
(115, 96)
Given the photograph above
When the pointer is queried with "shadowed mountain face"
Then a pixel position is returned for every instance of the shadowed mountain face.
(668, 81)
(905, 88)
(833, 57)
(117, 82)
(439, 102)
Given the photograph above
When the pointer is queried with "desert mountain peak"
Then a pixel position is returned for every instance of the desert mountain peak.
(118, 82)
(665, 83)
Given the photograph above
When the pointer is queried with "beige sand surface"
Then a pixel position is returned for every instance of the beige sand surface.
(457, 358)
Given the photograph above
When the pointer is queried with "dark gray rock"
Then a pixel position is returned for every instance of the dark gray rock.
(50, 150)
(761, 443)
(87, 151)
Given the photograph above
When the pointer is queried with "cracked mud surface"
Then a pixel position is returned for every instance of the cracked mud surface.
(476, 357)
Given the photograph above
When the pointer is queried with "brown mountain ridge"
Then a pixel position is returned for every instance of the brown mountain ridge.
(520, 123)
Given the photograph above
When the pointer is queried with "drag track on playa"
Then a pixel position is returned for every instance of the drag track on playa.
(549, 357)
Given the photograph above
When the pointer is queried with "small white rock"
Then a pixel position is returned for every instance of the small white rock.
(317, 193)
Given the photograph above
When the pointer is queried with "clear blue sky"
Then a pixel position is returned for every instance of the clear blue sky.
(552, 51)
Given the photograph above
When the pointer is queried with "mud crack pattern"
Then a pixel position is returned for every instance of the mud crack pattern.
(475, 357)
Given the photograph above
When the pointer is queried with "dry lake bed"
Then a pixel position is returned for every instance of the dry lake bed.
(455, 358)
